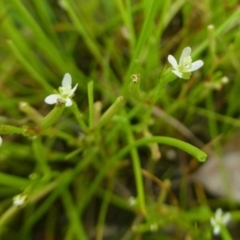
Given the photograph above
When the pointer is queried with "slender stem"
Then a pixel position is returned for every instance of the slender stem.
(79, 117)
(103, 210)
(195, 152)
(74, 221)
(40, 156)
(147, 27)
(225, 233)
(111, 111)
(137, 170)
(91, 103)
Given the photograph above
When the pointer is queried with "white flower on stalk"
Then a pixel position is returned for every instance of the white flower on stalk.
(219, 220)
(185, 66)
(20, 199)
(65, 92)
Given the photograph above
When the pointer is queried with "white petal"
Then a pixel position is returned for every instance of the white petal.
(68, 102)
(176, 72)
(218, 213)
(196, 65)
(0, 141)
(172, 61)
(52, 99)
(226, 218)
(185, 53)
(213, 221)
(216, 230)
(67, 80)
(74, 89)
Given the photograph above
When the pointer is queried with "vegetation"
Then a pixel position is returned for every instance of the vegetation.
(111, 158)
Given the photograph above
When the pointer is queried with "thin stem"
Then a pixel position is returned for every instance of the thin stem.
(146, 29)
(225, 233)
(103, 210)
(40, 156)
(91, 104)
(137, 169)
(79, 117)
(74, 221)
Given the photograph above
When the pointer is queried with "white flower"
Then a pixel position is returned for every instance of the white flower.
(185, 66)
(65, 92)
(218, 220)
(132, 201)
(19, 200)
(0, 141)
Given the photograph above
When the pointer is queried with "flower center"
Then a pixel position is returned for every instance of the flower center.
(65, 92)
(185, 64)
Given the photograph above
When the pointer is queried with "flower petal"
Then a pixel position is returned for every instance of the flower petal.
(67, 80)
(0, 141)
(73, 90)
(196, 65)
(52, 99)
(226, 218)
(68, 102)
(216, 230)
(185, 53)
(213, 221)
(176, 72)
(218, 213)
(172, 61)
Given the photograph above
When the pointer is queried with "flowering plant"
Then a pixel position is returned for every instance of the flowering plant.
(185, 66)
(219, 220)
(65, 92)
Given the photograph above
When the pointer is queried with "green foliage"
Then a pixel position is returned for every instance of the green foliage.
(100, 169)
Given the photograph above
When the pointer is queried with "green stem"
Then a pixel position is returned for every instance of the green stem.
(74, 221)
(166, 77)
(80, 26)
(91, 104)
(146, 29)
(31, 112)
(26, 63)
(137, 170)
(111, 111)
(52, 116)
(40, 156)
(13, 181)
(225, 233)
(103, 210)
(195, 152)
(134, 87)
(79, 117)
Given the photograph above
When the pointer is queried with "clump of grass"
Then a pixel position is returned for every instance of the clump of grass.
(99, 169)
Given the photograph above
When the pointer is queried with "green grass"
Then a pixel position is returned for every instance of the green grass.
(89, 160)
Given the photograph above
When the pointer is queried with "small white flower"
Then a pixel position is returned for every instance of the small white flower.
(154, 227)
(65, 92)
(225, 80)
(218, 220)
(132, 201)
(19, 200)
(185, 66)
(0, 141)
